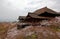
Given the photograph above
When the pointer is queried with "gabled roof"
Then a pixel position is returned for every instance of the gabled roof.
(38, 12)
(45, 9)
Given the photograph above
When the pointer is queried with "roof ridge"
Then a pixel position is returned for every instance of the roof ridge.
(45, 9)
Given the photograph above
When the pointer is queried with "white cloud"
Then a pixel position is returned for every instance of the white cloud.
(11, 9)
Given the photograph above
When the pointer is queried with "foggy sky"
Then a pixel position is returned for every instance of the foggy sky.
(11, 9)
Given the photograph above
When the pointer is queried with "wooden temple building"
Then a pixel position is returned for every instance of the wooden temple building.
(39, 15)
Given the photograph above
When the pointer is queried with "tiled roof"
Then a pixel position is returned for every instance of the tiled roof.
(38, 12)
(45, 9)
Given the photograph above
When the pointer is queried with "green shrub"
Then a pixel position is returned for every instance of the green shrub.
(33, 36)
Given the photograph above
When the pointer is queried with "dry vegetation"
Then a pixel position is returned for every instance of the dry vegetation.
(39, 33)
(4, 27)
(30, 32)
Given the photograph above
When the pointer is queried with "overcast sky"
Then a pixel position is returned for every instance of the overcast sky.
(11, 9)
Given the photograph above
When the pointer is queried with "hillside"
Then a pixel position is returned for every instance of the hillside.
(10, 31)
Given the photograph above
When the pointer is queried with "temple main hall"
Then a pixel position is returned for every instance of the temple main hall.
(36, 17)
